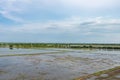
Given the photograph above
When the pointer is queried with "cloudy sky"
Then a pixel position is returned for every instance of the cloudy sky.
(78, 21)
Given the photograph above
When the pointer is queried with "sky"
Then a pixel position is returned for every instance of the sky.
(62, 21)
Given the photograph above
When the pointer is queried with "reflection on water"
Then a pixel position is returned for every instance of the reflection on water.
(66, 64)
(4, 51)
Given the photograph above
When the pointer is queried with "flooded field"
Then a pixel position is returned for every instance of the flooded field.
(54, 64)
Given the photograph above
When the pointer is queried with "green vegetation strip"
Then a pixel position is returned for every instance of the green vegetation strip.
(31, 54)
(110, 72)
(61, 45)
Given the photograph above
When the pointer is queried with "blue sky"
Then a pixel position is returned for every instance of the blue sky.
(78, 21)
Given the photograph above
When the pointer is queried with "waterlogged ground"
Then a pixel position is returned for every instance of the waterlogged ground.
(54, 64)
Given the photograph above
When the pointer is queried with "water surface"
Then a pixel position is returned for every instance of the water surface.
(54, 64)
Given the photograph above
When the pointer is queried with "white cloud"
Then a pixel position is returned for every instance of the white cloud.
(97, 29)
(71, 25)
(78, 3)
(84, 5)
(91, 3)
(105, 27)
(10, 8)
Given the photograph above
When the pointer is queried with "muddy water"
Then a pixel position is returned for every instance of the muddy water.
(64, 64)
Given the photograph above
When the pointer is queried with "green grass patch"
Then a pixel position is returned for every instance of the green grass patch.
(111, 72)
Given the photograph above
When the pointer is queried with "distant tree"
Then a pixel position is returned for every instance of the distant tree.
(10, 46)
(90, 46)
